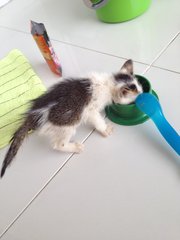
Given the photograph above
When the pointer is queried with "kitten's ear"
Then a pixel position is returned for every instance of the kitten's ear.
(128, 67)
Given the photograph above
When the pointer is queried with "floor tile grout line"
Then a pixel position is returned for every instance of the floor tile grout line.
(78, 46)
(41, 190)
(160, 53)
(109, 54)
(96, 51)
(169, 70)
(35, 196)
(14, 29)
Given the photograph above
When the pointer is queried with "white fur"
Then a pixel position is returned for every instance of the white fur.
(44, 111)
(130, 97)
(104, 91)
(60, 137)
(102, 85)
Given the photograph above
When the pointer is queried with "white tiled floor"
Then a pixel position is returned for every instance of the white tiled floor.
(124, 187)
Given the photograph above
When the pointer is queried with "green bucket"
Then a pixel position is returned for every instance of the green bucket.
(114, 11)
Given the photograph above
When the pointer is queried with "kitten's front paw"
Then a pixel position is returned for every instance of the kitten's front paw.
(108, 131)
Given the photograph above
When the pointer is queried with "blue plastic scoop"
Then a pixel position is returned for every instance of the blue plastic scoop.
(149, 104)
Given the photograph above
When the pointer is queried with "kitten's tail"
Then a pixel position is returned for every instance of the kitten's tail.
(30, 123)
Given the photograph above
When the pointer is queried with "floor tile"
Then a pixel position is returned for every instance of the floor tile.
(123, 187)
(170, 58)
(36, 162)
(75, 23)
(75, 61)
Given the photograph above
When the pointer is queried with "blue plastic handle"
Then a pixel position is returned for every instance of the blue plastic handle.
(149, 104)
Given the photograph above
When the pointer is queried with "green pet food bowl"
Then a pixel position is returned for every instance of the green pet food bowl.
(114, 11)
(129, 114)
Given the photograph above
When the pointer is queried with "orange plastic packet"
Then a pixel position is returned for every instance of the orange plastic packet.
(41, 37)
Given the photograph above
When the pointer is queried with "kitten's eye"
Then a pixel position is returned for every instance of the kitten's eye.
(133, 87)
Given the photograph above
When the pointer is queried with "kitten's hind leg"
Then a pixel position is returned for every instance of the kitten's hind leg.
(61, 141)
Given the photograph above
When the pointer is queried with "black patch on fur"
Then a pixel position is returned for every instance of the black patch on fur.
(132, 87)
(68, 99)
(122, 77)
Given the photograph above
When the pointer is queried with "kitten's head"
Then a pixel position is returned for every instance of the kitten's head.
(127, 86)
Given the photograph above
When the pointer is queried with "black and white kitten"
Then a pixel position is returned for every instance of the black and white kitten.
(58, 112)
